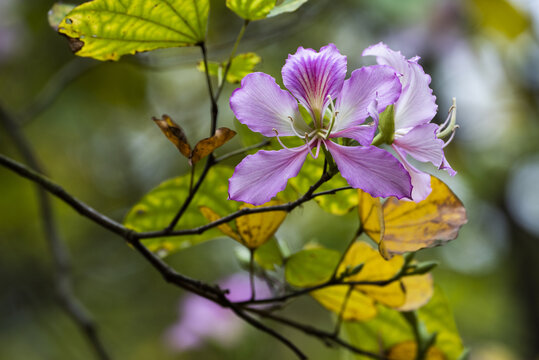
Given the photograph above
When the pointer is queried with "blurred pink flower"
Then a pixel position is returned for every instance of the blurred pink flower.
(202, 320)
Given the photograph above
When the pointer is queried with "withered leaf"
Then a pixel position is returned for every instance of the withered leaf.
(409, 226)
(175, 134)
(206, 146)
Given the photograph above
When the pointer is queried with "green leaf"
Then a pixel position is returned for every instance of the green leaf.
(269, 255)
(251, 9)
(158, 207)
(438, 318)
(310, 267)
(339, 203)
(241, 65)
(286, 6)
(390, 328)
(108, 29)
(57, 13)
(386, 127)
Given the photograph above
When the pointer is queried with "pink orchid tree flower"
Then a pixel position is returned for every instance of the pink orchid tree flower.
(202, 320)
(414, 134)
(337, 108)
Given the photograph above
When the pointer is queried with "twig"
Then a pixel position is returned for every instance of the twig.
(214, 107)
(60, 257)
(324, 336)
(242, 151)
(229, 62)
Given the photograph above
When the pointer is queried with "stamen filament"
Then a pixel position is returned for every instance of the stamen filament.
(294, 128)
(452, 118)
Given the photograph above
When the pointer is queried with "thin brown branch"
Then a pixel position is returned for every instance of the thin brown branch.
(59, 253)
(326, 337)
(242, 151)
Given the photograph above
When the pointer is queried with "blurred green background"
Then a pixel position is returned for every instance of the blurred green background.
(89, 123)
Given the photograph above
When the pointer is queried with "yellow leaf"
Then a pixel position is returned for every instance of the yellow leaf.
(408, 351)
(371, 217)
(224, 228)
(174, 133)
(409, 226)
(256, 229)
(359, 306)
(375, 268)
(206, 146)
(419, 290)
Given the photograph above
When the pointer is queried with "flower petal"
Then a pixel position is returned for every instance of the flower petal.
(416, 105)
(263, 106)
(261, 176)
(420, 181)
(422, 144)
(311, 76)
(369, 83)
(363, 134)
(445, 166)
(371, 169)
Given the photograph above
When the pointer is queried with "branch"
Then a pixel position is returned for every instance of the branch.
(324, 336)
(60, 257)
(245, 211)
(242, 151)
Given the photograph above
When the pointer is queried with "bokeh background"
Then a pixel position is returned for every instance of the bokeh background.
(89, 123)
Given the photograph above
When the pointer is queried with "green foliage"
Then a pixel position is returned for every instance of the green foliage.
(386, 127)
(241, 65)
(310, 267)
(285, 6)
(436, 317)
(339, 203)
(269, 255)
(251, 9)
(158, 207)
(108, 29)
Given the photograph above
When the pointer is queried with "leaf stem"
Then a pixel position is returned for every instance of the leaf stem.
(252, 273)
(229, 62)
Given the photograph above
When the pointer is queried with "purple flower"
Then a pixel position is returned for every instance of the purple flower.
(414, 134)
(203, 319)
(337, 108)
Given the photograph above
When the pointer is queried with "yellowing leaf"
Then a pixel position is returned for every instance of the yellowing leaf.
(253, 230)
(174, 133)
(108, 29)
(408, 351)
(251, 9)
(371, 215)
(359, 307)
(224, 228)
(410, 226)
(241, 65)
(419, 290)
(502, 16)
(363, 297)
(375, 268)
(310, 267)
(57, 13)
(206, 146)
(256, 229)
(285, 6)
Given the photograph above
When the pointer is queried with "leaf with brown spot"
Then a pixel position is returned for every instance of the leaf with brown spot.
(409, 226)
(206, 146)
(256, 229)
(174, 133)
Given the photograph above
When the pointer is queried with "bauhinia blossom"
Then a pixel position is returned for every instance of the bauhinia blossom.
(414, 134)
(338, 109)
